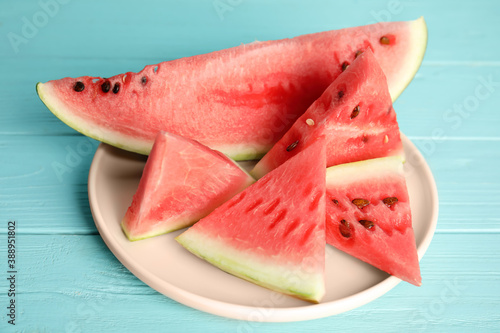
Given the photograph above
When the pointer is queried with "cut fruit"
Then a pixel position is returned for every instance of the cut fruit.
(273, 233)
(368, 216)
(182, 182)
(355, 114)
(239, 101)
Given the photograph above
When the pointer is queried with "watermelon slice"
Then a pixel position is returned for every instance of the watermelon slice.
(182, 182)
(273, 233)
(368, 215)
(355, 113)
(239, 101)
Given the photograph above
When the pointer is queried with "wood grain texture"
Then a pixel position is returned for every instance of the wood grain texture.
(69, 281)
(100, 291)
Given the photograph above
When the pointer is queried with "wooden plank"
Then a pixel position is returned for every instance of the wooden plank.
(68, 279)
(44, 183)
(163, 28)
(94, 292)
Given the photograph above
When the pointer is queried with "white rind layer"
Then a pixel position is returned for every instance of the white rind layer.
(364, 170)
(414, 57)
(301, 281)
(100, 133)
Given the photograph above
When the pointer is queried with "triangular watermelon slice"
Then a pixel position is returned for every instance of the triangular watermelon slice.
(355, 113)
(182, 182)
(368, 215)
(273, 233)
(239, 101)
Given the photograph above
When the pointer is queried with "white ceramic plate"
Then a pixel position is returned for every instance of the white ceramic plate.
(170, 269)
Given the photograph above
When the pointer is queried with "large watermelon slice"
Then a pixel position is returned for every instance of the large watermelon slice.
(368, 215)
(182, 182)
(239, 101)
(355, 113)
(273, 233)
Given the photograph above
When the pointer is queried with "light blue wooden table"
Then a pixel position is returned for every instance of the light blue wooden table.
(68, 281)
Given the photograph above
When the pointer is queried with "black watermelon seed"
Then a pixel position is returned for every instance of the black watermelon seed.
(360, 203)
(116, 88)
(390, 201)
(367, 224)
(345, 64)
(345, 228)
(292, 146)
(144, 80)
(355, 112)
(384, 40)
(79, 86)
(340, 94)
(357, 54)
(335, 201)
(106, 86)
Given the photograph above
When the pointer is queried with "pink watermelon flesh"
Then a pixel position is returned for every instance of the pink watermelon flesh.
(368, 216)
(239, 101)
(355, 113)
(273, 233)
(182, 182)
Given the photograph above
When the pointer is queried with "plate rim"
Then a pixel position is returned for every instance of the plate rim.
(254, 313)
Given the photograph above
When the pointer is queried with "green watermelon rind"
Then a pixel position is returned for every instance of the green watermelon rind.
(159, 231)
(290, 280)
(414, 58)
(366, 169)
(86, 128)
